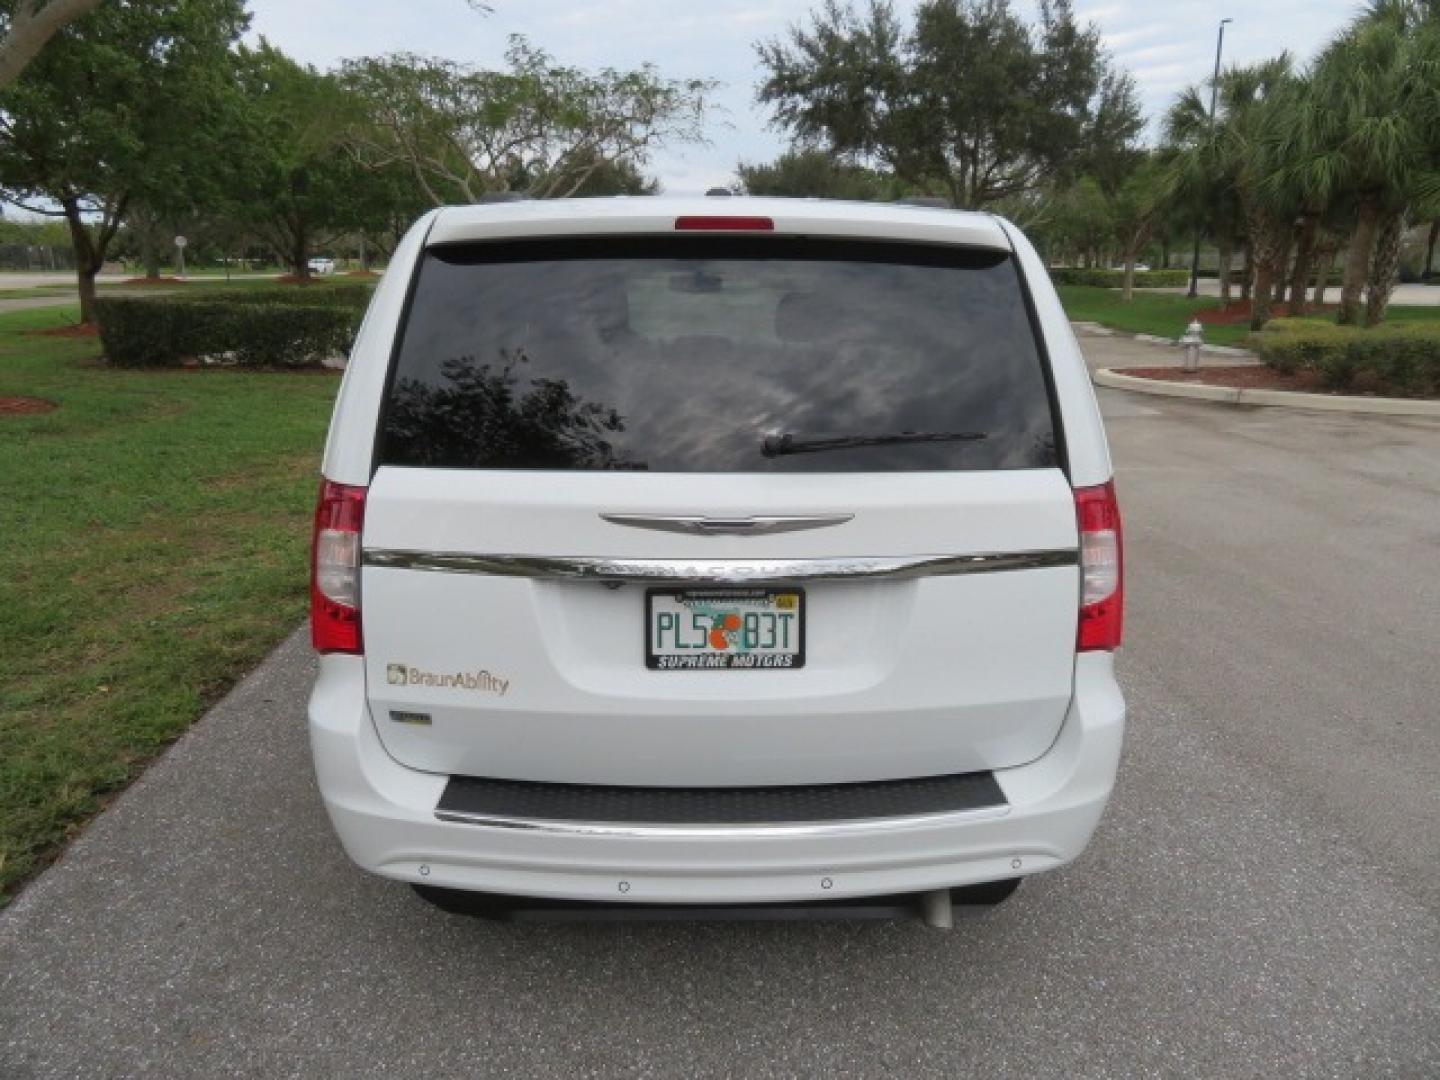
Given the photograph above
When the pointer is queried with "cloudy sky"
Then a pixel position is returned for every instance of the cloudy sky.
(1165, 44)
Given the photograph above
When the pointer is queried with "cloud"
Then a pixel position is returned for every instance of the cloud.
(1132, 57)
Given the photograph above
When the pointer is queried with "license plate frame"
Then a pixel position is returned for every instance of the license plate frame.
(736, 656)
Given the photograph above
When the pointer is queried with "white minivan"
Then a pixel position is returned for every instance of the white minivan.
(715, 551)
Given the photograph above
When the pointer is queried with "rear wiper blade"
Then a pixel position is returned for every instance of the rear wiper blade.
(778, 444)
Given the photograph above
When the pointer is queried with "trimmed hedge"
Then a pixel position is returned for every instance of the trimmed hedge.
(1397, 359)
(317, 294)
(1114, 279)
(246, 328)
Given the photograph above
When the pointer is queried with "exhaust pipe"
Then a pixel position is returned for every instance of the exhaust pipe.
(937, 909)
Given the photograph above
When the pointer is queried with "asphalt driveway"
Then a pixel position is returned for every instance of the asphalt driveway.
(1263, 897)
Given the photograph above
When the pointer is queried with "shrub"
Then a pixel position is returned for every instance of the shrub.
(1114, 279)
(164, 331)
(1401, 359)
(318, 294)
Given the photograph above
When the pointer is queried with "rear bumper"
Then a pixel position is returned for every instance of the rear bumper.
(384, 814)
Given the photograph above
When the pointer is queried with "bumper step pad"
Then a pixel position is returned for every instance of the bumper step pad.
(477, 800)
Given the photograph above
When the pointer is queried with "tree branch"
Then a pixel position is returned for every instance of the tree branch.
(33, 23)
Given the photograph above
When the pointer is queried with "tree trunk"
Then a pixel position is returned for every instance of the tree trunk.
(1430, 249)
(1260, 297)
(1280, 263)
(1224, 252)
(1384, 268)
(1247, 270)
(150, 255)
(1357, 261)
(88, 260)
(1304, 260)
(300, 254)
(31, 26)
(1324, 263)
(1127, 287)
(85, 279)
(1269, 242)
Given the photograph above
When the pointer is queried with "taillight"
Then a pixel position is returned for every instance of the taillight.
(335, 569)
(1102, 571)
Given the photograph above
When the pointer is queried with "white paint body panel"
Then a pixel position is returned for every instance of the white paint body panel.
(902, 678)
(384, 815)
(960, 673)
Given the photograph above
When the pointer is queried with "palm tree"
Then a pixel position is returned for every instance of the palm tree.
(1371, 136)
(1200, 177)
(1221, 159)
(1281, 149)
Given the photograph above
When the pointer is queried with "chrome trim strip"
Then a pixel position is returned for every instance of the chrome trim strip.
(722, 526)
(718, 571)
(801, 829)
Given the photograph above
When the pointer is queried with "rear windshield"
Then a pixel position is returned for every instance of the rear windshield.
(717, 354)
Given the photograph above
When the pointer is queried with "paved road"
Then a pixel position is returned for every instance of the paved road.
(46, 284)
(66, 279)
(1263, 898)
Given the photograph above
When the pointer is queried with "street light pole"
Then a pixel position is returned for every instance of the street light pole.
(1214, 90)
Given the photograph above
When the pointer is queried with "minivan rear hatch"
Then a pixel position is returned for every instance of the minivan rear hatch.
(718, 510)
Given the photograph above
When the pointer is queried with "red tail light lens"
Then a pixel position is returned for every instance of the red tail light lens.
(335, 569)
(1102, 569)
(724, 224)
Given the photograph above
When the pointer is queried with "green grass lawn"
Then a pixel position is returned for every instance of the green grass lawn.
(1166, 314)
(155, 530)
(1162, 314)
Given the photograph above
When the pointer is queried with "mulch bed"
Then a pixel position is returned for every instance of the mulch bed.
(24, 406)
(1237, 312)
(1254, 377)
(78, 330)
(155, 281)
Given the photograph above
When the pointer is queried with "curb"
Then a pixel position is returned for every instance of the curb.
(1228, 395)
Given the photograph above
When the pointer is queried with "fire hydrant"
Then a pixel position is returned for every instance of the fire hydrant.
(1191, 341)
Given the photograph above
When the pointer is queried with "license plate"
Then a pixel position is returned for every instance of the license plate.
(724, 629)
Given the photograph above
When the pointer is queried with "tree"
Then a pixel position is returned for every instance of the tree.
(1372, 137)
(89, 129)
(1220, 162)
(616, 178)
(292, 176)
(970, 98)
(1078, 227)
(25, 27)
(817, 174)
(1134, 203)
(536, 127)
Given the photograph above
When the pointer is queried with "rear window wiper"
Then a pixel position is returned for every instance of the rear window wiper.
(778, 444)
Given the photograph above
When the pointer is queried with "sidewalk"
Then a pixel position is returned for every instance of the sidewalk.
(1105, 348)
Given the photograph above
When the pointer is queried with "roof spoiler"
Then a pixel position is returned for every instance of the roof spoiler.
(934, 202)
